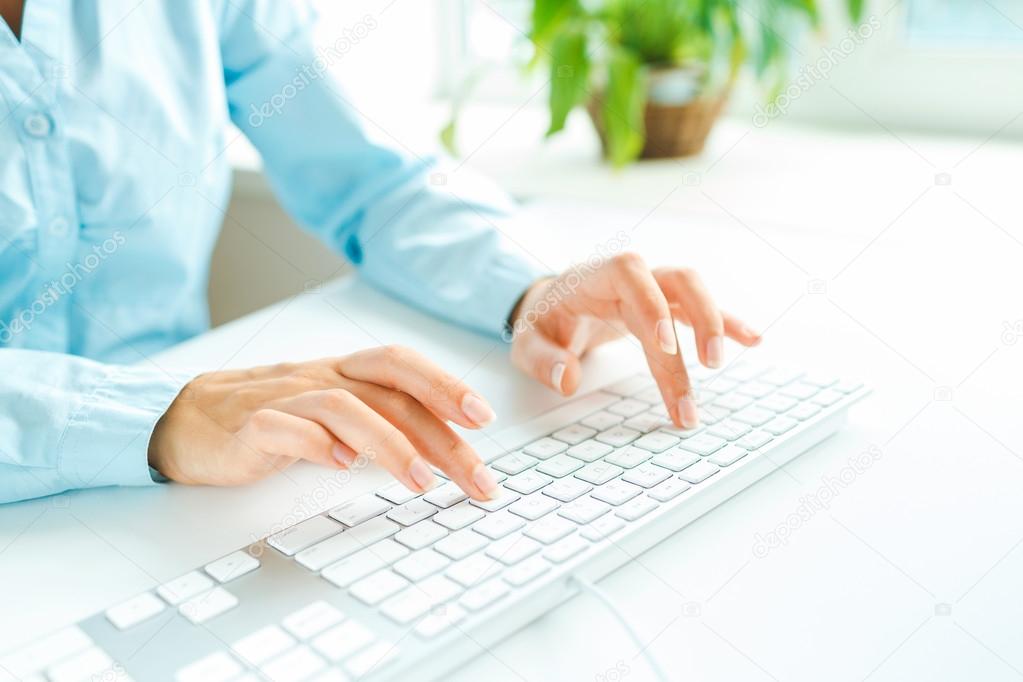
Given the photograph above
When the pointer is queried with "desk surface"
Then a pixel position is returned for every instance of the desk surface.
(855, 260)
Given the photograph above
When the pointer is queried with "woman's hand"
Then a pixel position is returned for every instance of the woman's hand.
(389, 404)
(560, 319)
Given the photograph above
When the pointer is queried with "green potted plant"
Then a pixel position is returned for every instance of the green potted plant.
(655, 74)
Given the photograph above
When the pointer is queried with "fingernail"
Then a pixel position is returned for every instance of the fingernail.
(343, 454)
(557, 376)
(751, 332)
(715, 351)
(477, 409)
(666, 336)
(687, 412)
(421, 474)
(485, 481)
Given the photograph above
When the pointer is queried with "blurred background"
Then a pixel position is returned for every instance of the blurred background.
(748, 90)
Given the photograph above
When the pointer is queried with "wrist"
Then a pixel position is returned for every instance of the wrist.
(525, 304)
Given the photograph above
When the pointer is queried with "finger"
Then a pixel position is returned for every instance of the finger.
(433, 438)
(646, 313)
(403, 369)
(546, 361)
(684, 287)
(283, 435)
(740, 331)
(358, 426)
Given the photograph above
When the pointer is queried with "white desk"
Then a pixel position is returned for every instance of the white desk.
(857, 589)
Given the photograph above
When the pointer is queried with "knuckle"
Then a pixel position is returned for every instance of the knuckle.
(689, 276)
(628, 260)
(262, 421)
(337, 399)
(396, 352)
(286, 367)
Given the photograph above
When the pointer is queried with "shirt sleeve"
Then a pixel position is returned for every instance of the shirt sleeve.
(432, 237)
(70, 422)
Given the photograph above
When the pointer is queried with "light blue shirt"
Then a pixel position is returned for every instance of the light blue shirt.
(114, 120)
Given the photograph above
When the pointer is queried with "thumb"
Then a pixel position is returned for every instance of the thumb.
(546, 361)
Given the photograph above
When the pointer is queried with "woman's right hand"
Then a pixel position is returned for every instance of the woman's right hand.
(389, 404)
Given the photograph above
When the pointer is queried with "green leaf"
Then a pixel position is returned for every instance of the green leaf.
(549, 15)
(570, 69)
(624, 101)
(448, 137)
(856, 10)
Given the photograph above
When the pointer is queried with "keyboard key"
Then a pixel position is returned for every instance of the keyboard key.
(628, 407)
(754, 416)
(800, 391)
(590, 450)
(91, 664)
(699, 472)
(296, 538)
(544, 448)
(756, 389)
(743, 372)
(185, 587)
(346, 571)
(499, 524)
(602, 528)
(263, 644)
(515, 463)
(550, 529)
(780, 377)
(421, 564)
(439, 620)
(777, 403)
(847, 386)
(527, 482)
(729, 429)
(208, 605)
(682, 434)
(42, 653)
(405, 607)
(704, 444)
(733, 401)
(461, 544)
(574, 434)
(438, 589)
(298, 664)
(636, 508)
(357, 539)
(616, 492)
(343, 640)
(602, 421)
(567, 489)
(668, 490)
(372, 659)
(803, 412)
(827, 397)
(618, 436)
(396, 493)
(728, 455)
(647, 422)
(234, 565)
(559, 466)
(479, 598)
(445, 495)
(599, 473)
(563, 550)
(513, 549)
(754, 440)
(711, 414)
(628, 457)
(360, 510)
(650, 394)
(525, 572)
(534, 506)
(377, 586)
(216, 667)
(474, 570)
(312, 619)
(584, 510)
(675, 460)
(780, 425)
(630, 385)
(656, 442)
(413, 512)
(459, 516)
(421, 535)
(135, 610)
(503, 499)
(646, 475)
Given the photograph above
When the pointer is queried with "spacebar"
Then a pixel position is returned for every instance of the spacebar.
(517, 436)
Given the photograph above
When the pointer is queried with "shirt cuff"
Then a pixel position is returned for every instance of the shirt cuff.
(107, 438)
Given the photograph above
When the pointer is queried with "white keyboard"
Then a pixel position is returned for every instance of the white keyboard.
(376, 587)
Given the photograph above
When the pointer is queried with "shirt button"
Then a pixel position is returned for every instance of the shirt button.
(38, 125)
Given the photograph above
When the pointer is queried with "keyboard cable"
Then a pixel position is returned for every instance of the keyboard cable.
(601, 596)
